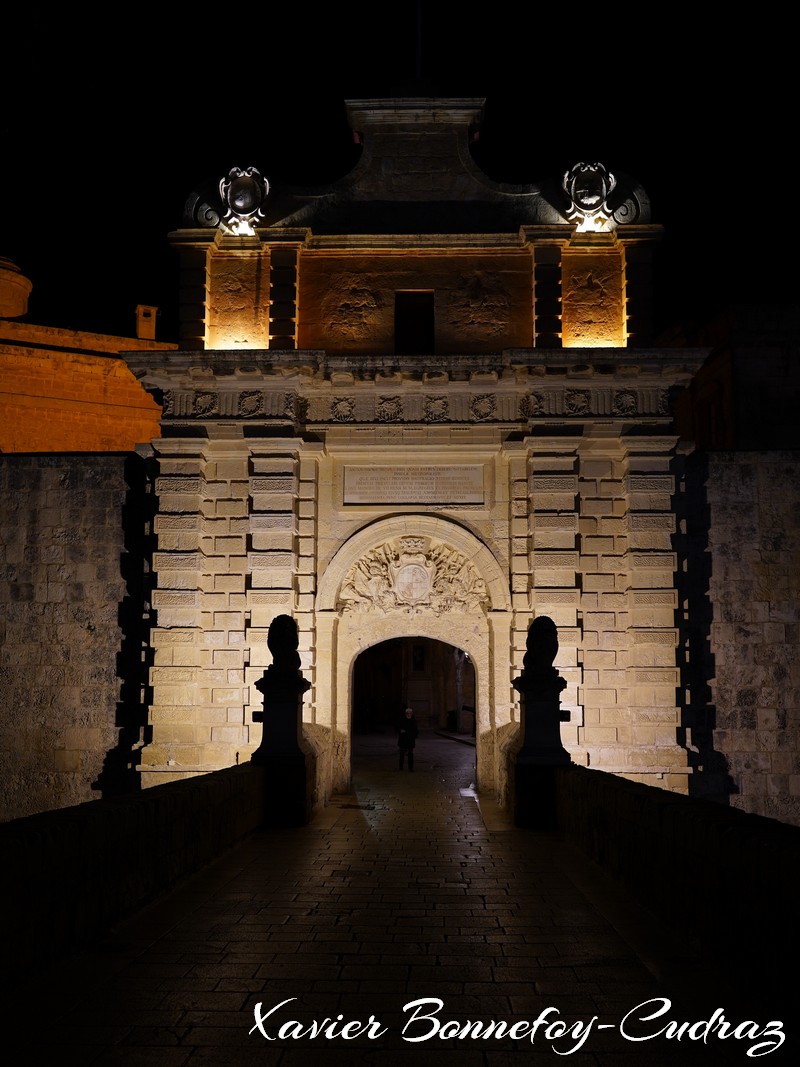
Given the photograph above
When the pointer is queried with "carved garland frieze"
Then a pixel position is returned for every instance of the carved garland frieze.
(395, 409)
(412, 574)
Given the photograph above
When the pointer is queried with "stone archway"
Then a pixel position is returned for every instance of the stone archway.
(404, 576)
(434, 678)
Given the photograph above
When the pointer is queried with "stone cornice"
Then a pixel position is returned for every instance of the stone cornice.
(233, 370)
(414, 110)
(245, 393)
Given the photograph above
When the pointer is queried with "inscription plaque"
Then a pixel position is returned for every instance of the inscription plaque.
(413, 485)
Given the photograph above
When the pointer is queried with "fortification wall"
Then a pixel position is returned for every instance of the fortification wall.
(61, 587)
(753, 503)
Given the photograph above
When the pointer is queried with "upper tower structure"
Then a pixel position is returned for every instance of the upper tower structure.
(417, 252)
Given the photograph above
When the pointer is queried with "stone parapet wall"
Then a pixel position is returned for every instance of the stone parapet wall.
(68, 875)
(723, 877)
(753, 516)
(61, 587)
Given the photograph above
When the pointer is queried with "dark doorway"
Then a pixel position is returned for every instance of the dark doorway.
(436, 679)
(414, 332)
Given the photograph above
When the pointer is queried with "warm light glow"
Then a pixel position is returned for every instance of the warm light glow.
(239, 227)
(229, 338)
(597, 223)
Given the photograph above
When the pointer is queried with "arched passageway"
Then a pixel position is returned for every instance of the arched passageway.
(436, 679)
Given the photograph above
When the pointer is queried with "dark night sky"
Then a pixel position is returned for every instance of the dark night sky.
(104, 137)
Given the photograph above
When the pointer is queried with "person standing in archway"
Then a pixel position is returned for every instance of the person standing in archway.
(407, 731)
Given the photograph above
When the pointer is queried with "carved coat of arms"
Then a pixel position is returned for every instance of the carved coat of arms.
(413, 574)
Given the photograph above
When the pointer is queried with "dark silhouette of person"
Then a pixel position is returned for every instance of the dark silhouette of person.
(407, 730)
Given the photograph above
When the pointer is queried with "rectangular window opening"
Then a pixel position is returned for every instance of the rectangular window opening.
(414, 333)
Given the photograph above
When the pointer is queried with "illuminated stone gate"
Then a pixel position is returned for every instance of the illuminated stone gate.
(422, 404)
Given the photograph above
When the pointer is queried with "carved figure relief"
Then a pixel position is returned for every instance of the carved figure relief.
(412, 573)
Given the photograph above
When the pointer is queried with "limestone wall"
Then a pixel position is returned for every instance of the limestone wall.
(64, 390)
(61, 587)
(753, 501)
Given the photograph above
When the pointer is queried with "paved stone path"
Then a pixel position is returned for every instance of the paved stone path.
(406, 890)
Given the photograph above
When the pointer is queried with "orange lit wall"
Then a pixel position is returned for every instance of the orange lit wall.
(67, 391)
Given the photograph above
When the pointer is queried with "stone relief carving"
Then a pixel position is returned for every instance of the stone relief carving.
(483, 406)
(625, 402)
(349, 308)
(343, 409)
(168, 403)
(205, 404)
(389, 409)
(435, 409)
(295, 407)
(250, 403)
(410, 574)
(531, 405)
(577, 402)
(482, 303)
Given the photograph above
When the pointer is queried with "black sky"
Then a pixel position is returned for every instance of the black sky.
(106, 131)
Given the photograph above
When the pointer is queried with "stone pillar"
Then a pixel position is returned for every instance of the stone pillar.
(539, 686)
(653, 674)
(593, 292)
(237, 304)
(289, 774)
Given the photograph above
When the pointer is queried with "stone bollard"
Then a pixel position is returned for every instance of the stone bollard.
(541, 752)
(289, 766)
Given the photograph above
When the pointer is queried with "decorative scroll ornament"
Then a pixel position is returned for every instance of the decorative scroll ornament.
(588, 187)
(244, 193)
(412, 574)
